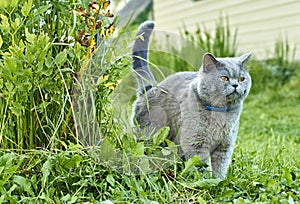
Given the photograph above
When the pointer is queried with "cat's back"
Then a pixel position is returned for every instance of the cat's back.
(178, 83)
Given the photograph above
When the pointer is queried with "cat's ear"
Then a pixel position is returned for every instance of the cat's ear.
(245, 58)
(209, 62)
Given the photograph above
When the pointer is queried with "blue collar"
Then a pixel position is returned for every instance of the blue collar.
(217, 109)
(208, 107)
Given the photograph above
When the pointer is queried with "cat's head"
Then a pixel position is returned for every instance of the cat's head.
(224, 80)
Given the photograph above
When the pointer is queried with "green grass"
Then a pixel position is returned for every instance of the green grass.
(265, 166)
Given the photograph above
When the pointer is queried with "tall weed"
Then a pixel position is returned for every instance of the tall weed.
(222, 41)
(282, 65)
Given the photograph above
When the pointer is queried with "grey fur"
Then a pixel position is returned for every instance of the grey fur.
(140, 56)
(201, 109)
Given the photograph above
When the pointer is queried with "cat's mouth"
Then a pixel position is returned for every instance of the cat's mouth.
(234, 94)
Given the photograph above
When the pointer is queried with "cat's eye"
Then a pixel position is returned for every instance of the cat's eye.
(224, 78)
(241, 79)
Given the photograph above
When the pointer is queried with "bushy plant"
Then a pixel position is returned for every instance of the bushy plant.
(43, 55)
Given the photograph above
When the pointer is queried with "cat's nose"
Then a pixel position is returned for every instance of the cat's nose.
(235, 85)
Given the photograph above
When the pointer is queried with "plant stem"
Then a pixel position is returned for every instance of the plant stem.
(31, 121)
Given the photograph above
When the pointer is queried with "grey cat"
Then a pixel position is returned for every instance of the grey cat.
(201, 108)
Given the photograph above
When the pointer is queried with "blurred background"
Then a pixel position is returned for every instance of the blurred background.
(259, 23)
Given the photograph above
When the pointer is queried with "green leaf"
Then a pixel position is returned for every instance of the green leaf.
(107, 150)
(172, 146)
(42, 106)
(273, 187)
(5, 160)
(139, 149)
(66, 198)
(288, 176)
(7, 195)
(241, 201)
(291, 200)
(24, 183)
(10, 88)
(30, 37)
(160, 136)
(48, 61)
(15, 24)
(165, 152)
(110, 179)
(73, 162)
(10, 64)
(144, 165)
(3, 3)
(195, 160)
(14, 3)
(4, 23)
(8, 166)
(201, 200)
(205, 183)
(61, 58)
(66, 70)
(34, 182)
(26, 8)
(46, 171)
(25, 87)
(17, 108)
(1, 41)
(42, 9)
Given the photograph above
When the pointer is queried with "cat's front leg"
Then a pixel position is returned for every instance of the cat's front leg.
(220, 160)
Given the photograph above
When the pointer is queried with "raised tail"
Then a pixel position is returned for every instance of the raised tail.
(140, 65)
